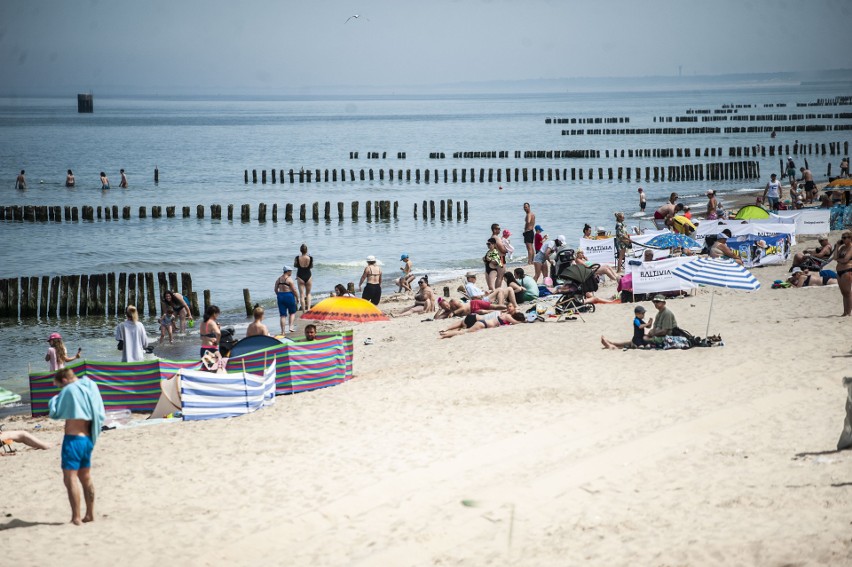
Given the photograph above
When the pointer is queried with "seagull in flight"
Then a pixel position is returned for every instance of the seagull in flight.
(356, 16)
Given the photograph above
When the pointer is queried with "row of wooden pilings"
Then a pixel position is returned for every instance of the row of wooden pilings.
(757, 118)
(382, 210)
(606, 120)
(375, 155)
(692, 130)
(833, 148)
(91, 294)
(552, 174)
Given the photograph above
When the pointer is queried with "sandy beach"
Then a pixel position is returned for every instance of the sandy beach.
(526, 445)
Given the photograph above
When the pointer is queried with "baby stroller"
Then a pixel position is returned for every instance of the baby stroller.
(573, 283)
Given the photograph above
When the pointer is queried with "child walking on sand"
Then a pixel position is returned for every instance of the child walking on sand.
(80, 404)
(167, 325)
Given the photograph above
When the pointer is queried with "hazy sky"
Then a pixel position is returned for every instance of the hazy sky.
(264, 46)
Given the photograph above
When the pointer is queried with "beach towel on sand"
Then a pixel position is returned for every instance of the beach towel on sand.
(80, 399)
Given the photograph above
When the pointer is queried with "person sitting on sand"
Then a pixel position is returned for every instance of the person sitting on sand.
(639, 326)
(257, 327)
(424, 299)
(8, 437)
(501, 295)
(517, 289)
(340, 291)
(821, 252)
(804, 278)
(665, 321)
(456, 308)
(473, 323)
(720, 248)
(603, 270)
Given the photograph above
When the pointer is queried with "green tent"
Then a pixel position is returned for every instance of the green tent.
(752, 212)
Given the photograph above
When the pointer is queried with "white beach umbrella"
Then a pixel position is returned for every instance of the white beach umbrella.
(717, 273)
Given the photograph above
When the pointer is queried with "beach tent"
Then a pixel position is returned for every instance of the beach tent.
(199, 394)
(251, 344)
(752, 212)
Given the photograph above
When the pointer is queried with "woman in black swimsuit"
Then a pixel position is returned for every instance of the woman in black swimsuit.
(373, 276)
(181, 309)
(843, 255)
(304, 264)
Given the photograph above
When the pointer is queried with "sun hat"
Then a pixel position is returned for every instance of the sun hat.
(371, 258)
(761, 244)
(638, 309)
(470, 275)
(822, 237)
(561, 238)
(54, 336)
(600, 229)
(796, 270)
(403, 257)
(659, 298)
(538, 228)
(507, 233)
(721, 236)
(287, 269)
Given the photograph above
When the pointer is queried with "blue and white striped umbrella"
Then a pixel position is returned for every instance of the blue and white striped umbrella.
(717, 272)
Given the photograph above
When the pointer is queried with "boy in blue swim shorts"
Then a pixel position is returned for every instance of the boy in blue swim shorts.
(80, 404)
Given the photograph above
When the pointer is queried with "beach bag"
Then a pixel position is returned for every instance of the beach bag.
(673, 342)
(845, 440)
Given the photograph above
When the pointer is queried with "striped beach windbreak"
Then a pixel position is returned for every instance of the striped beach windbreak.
(206, 395)
(299, 366)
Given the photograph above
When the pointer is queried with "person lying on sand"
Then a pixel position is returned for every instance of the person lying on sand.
(473, 323)
(8, 437)
(424, 299)
(456, 308)
(804, 278)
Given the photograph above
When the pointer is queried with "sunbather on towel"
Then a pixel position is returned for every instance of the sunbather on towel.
(473, 323)
(455, 308)
(80, 404)
(7, 437)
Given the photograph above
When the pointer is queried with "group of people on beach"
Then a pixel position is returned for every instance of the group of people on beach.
(71, 181)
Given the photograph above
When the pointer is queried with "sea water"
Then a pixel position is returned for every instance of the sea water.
(202, 146)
